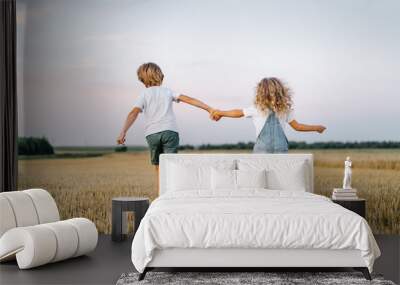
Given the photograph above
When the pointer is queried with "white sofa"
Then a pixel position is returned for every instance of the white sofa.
(31, 230)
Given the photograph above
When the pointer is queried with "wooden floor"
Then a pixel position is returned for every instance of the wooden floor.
(110, 260)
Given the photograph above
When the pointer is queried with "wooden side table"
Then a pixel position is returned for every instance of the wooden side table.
(120, 205)
(357, 205)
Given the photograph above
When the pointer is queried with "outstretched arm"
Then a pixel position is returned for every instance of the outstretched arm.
(128, 123)
(306, 128)
(234, 113)
(194, 102)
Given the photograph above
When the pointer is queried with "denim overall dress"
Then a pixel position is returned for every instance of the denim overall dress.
(272, 138)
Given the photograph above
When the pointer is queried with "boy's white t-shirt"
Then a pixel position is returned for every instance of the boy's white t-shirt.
(156, 105)
(259, 118)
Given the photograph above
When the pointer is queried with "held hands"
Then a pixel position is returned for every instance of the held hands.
(215, 115)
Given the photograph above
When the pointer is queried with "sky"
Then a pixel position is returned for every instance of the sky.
(77, 62)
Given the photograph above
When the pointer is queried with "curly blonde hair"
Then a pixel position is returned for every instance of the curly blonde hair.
(150, 74)
(272, 94)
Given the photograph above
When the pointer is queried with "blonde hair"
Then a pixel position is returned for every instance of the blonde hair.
(272, 94)
(150, 74)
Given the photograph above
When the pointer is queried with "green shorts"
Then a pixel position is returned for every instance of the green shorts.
(162, 142)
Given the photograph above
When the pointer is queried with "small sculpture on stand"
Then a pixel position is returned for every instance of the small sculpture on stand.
(347, 192)
(347, 174)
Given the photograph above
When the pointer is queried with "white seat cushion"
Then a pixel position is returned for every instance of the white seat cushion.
(45, 205)
(31, 232)
(23, 208)
(67, 240)
(7, 220)
(87, 234)
(33, 246)
(41, 244)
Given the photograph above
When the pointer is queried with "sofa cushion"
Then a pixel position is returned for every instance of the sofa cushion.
(45, 205)
(41, 244)
(23, 208)
(67, 239)
(32, 246)
(7, 220)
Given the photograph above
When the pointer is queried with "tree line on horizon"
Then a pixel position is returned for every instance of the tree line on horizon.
(299, 145)
(41, 146)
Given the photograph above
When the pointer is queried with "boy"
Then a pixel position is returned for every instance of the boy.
(156, 104)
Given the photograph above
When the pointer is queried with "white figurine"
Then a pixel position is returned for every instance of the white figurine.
(347, 174)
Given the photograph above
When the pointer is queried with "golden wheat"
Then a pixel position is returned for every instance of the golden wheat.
(84, 187)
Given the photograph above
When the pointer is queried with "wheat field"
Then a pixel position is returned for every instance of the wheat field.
(84, 187)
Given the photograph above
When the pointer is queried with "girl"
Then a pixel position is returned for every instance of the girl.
(271, 111)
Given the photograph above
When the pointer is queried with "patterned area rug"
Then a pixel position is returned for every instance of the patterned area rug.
(231, 278)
